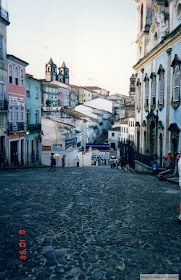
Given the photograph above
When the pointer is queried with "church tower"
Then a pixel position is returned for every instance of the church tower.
(65, 73)
(50, 71)
(144, 22)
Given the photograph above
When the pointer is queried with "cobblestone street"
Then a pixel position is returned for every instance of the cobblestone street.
(88, 223)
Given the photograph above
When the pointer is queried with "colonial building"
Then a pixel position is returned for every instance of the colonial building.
(33, 119)
(158, 84)
(4, 22)
(16, 114)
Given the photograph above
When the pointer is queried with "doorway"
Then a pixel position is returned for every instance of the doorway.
(14, 152)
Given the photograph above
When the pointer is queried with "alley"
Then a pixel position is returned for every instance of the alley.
(87, 223)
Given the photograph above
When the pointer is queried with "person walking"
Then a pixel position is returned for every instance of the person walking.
(179, 172)
(63, 161)
(53, 162)
(169, 160)
(177, 156)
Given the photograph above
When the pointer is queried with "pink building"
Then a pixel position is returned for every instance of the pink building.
(16, 114)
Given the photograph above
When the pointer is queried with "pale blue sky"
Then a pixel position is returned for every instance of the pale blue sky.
(93, 37)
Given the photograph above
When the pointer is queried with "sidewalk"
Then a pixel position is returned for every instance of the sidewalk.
(26, 166)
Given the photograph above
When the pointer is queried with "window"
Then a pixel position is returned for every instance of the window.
(17, 114)
(37, 117)
(22, 114)
(22, 77)
(1, 91)
(176, 85)
(10, 74)
(28, 116)
(2, 120)
(1, 48)
(161, 88)
(138, 94)
(16, 76)
(28, 89)
(141, 19)
(153, 90)
(36, 92)
(113, 134)
(11, 109)
(146, 92)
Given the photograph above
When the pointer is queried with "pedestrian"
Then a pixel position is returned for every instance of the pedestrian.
(177, 156)
(77, 161)
(169, 160)
(63, 161)
(179, 172)
(53, 162)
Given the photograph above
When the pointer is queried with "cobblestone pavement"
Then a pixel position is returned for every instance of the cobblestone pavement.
(88, 223)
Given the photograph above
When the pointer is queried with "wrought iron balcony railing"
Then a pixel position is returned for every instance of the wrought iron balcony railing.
(3, 105)
(20, 126)
(33, 127)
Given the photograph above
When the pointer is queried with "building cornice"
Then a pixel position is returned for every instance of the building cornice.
(165, 44)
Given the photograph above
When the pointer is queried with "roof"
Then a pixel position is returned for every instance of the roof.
(73, 113)
(50, 85)
(29, 76)
(63, 65)
(13, 57)
(51, 61)
(94, 88)
(59, 122)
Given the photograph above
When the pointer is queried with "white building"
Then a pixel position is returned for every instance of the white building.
(158, 85)
(113, 138)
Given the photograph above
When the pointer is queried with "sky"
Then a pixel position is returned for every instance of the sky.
(95, 38)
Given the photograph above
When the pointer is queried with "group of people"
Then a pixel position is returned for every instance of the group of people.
(53, 161)
(118, 163)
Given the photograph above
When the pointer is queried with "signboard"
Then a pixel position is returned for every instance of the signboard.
(71, 143)
(15, 127)
(100, 147)
(16, 101)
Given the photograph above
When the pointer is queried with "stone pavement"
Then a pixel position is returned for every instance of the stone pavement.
(87, 223)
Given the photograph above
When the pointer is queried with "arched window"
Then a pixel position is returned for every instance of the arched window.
(161, 88)
(176, 86)
(16, 76)
(153, 89)
(10, 74)
(141, 19)
(138, 94)
(22, 77)
(1, 93)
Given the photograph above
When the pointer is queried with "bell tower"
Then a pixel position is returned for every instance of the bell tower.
(65, 73)
(144, 22)
(50, 71)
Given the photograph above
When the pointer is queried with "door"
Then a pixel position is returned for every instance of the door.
(14, 152)
(22, 151)
(152, 139)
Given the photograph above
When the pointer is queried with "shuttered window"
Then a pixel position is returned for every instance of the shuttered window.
(161, 88)
(176, 89)
(146, 92)
(153, 90)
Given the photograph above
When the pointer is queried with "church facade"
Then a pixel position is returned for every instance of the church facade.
(53, 74)
(158, 78)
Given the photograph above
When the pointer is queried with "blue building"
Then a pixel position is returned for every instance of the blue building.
(33, 119)
(158, 78)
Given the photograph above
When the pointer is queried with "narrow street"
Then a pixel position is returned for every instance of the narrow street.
(87, 223)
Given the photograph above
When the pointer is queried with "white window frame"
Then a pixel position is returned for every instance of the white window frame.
(27, 89)
(22, 114)
(161, 88)
(2, 120)
(11, 113)
(16, 76)
(36, 92)
(17, 114)
(10, 76)
(22, 77)
(178, 85)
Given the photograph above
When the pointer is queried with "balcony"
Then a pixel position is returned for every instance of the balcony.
(3, 105)
(4, 14)
(20, 127)
(34, 127)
